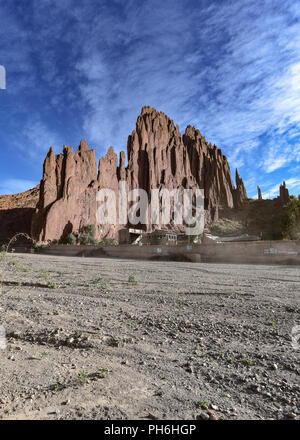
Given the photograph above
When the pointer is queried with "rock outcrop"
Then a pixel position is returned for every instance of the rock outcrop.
(239, 194)
(259, 194)
(158, 157)
(211, 171)
(16, 213)
(67, 193)
(284, 195)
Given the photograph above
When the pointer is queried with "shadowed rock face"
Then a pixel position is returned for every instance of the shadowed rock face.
(16, 213)
(259, 194)
(211, 171)
(240, 193)
(158, 157)
(284, 195)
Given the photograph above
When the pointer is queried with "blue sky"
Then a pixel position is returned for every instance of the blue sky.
(83, 70)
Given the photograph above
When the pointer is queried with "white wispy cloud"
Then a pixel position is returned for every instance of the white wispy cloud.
(232, 69)
(248, 89)
(273, 191)
(37, 139)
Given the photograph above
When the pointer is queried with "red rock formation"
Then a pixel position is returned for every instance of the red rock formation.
(284, 195)
(68, 194)
(158, 157)
(239, 194)
(211, 171)
(108, 179)
(259, 195)
(16, 213)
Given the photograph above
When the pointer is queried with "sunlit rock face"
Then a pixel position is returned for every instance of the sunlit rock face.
(67, 193)
(158, 157)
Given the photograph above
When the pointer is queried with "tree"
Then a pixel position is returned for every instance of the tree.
(90, 230)
(70, 239)
(290, 221)
(89, 235)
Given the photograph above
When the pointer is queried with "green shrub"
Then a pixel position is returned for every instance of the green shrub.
(107, 242)
(87, 239)
(88, 236)
(71, 239)
(6, 264)
(90, 230)
(132, 280)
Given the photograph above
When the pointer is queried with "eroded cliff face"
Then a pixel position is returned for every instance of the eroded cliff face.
(240, 193)
(67, 193)
(211, 172)
(158, 157)
(16, 212)
(284, 195)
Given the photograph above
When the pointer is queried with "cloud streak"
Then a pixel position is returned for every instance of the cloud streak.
(222, 66)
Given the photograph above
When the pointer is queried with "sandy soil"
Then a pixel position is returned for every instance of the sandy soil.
(177, 341)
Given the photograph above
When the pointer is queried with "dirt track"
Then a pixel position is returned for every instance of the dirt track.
(83, 342)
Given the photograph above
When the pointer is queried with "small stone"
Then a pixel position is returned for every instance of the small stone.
(203, 416)
(66, 402)
(212, 415)
(152, 417)
(254, 387)
(291, 416)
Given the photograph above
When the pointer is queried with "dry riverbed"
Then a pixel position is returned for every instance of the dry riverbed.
(121, 339)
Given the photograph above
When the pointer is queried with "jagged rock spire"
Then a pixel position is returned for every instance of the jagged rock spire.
(284, 195)
(259, 195)
(158, 157)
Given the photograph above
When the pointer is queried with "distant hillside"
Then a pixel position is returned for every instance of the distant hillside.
(16, 212)
(254, 218)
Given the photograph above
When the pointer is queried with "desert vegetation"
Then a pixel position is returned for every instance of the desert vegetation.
(290, 222)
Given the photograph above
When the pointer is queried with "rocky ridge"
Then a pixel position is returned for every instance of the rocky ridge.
(158, 157)
(16, 212)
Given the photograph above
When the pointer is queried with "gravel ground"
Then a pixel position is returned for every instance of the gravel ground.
(122, 339)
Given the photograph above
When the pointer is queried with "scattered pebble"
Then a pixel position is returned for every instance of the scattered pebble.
(203, 416)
